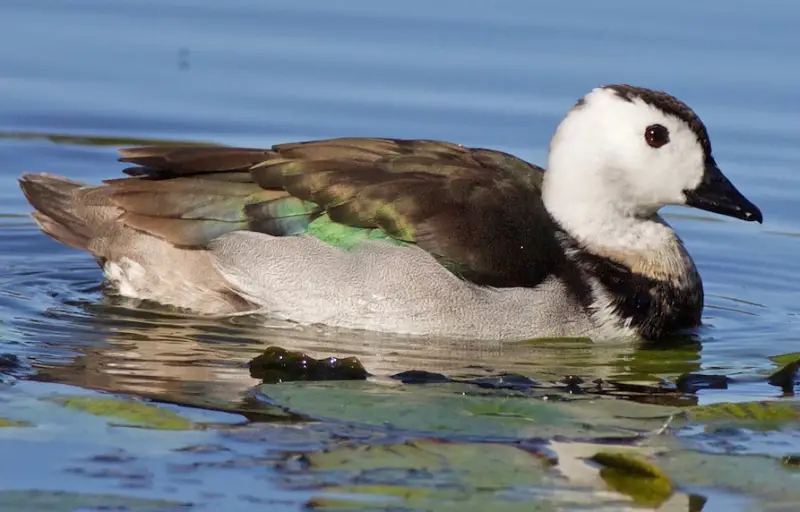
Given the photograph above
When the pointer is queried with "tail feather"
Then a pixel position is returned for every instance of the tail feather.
(53, 198)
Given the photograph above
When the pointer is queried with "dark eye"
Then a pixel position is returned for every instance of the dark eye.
(656, 135)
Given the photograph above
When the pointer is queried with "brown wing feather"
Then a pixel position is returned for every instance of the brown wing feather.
(478, 210)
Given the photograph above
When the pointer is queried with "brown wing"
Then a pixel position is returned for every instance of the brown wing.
(479, 211)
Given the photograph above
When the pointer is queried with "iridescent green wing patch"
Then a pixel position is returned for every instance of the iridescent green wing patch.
(347, 237)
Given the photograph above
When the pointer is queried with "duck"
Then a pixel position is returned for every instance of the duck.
(417, 237)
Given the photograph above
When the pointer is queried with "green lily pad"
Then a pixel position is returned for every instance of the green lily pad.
(407, 502)
(371, 496)
(635, 476)
(760, 415)
(135, 412)
(784, 359)
(433, 473)
(55, 501)
(439, 408)
(460, 409)
(4, 422)
(456, 476)
(764, 482)
(470, 461)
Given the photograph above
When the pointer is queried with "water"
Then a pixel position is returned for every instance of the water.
(81, 78)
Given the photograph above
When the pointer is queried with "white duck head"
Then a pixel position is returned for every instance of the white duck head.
(624, 152)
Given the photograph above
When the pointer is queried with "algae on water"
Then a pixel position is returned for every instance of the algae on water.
(635, 476)
(137, 413)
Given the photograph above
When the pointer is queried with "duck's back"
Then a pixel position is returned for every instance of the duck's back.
(345, 231)
(477, 211)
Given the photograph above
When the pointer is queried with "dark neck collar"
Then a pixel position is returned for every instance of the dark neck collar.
(653, 307)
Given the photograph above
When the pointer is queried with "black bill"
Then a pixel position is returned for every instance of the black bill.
(717, 194)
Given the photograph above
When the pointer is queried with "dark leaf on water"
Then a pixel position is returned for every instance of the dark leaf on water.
(572, 381)
(276, 364)
(792, 461)
(629, 387)
(504, 381)
(694, 382)
(11, 365)
(786, 377)
(9, 361)
(421, 377)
